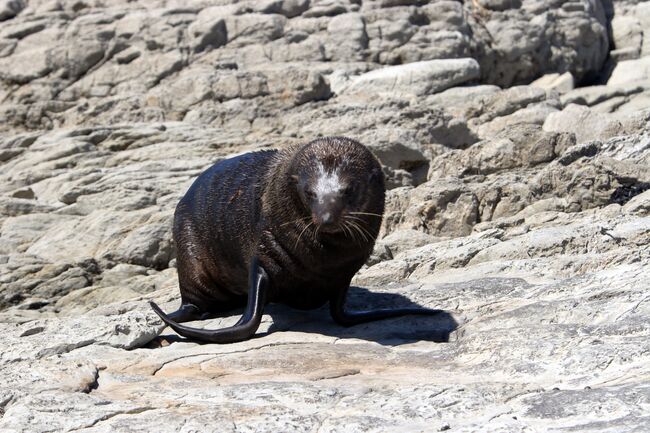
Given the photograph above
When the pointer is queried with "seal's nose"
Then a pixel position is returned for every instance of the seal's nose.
(326, 218)
(326, 212)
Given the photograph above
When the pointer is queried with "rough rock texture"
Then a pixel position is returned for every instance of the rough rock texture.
(522, 211)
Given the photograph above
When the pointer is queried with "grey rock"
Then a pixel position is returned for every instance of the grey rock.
(520, 50)
(521, 212)
(593, 95)
(523, 145)
(254, 28)
(288, 8)
(636, 72)
(419, 78)
(627, 34)
(395, 148)
(584, 123)
(561, 83)
(437, 208)
(633, 103)
(399, 241)
(10, 8)
(25, 66)
(209, 30)
(638, 205)
(346, 37)
(320, 8)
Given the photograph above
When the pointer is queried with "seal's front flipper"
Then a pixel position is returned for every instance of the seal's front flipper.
(350, 318)
(185, 313)
(246, 326)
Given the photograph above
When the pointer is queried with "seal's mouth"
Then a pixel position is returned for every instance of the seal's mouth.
(329, 229)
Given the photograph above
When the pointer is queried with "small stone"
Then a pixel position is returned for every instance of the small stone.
(26, 193)
(560, 83)
(10, 8)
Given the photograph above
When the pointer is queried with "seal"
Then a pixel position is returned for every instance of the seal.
(290, 227)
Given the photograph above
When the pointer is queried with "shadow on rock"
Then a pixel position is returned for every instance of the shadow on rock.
(390, 332)
(393, 332)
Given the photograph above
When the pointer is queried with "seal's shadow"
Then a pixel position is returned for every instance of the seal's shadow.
(395, 331)
(389, 332)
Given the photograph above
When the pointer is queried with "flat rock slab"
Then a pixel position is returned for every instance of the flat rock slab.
(418, 78)
(507, 355)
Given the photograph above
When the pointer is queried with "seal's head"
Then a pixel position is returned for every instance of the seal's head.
(340, 184)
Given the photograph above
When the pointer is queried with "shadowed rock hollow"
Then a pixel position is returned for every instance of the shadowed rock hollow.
(515, 138)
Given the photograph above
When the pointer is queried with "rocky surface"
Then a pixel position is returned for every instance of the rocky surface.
(515, 137)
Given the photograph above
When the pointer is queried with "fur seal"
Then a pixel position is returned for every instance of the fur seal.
(290, 227)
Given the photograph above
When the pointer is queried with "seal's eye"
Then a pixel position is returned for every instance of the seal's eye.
(309, 194)
(348, 191)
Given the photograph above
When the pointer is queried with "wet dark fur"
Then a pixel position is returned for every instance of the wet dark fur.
(244, 228)
(243, 206)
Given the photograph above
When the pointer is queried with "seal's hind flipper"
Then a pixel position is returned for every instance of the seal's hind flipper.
(246, 326)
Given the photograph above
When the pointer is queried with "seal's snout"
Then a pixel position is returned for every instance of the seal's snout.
(326, 213)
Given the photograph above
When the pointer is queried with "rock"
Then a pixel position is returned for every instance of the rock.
(584, 123)
(593, 95)
(10, 8)
(209, 30)
(627, 35)
(636, 72)
(641, 13)
(498, 104)
(420, 78)
(520, 211)
(639, 204)
(533, 114)
(438, 208)
(288, 8)
(396, 148)
(27, 193)
(298, 86)
(517, 146)
(519, 50)
(254, 28)
(25, 66)
(321, 8)
(400, 240)
(633, 104)
(347, 37)
(561, 83)
(21, 206)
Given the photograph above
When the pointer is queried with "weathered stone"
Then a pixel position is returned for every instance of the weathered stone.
(288, 8)
(523, 217)
(594, 95)
(633, 72)
(561, 83)
(346, 37)
(10, 8)
(25, 66)
(522, 145)
(627, 34)
(420, 78)
(584, 123)
(520, 49)
(395, 148)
